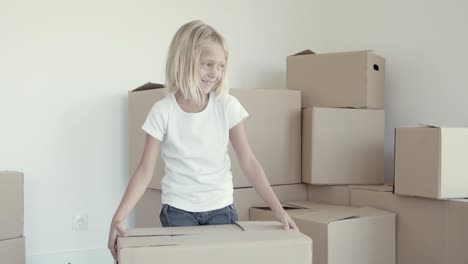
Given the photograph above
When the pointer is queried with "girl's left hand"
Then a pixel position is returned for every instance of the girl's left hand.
(286, 220)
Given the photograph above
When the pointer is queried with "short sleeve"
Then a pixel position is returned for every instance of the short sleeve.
(235, 112)
(155, 123)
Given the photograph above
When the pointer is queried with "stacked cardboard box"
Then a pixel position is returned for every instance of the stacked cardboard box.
(342, 234)
(343, 116)
(430, 161)
(342, 145)
(430, 169)
(428, 230)
(12, 242)
(274, 116)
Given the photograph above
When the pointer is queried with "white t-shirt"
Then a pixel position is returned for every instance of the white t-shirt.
(195, 150)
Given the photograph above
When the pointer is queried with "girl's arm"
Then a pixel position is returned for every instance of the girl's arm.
(135, 189)
(256, 175)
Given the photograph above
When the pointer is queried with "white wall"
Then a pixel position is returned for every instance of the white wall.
(425, 45)
(66, 67)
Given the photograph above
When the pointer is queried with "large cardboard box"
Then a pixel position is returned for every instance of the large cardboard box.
(245, 242)
(332, 194)
(342, 234)
(12, 251)
(148, 208)
(457, 252)
(431, 162)
(140, 101)
(343, 146)
(274, 116)
(344, 79)
(11, 204)
(422, 226)
(339, 194)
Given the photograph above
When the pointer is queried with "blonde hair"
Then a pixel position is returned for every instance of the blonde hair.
(183, 60)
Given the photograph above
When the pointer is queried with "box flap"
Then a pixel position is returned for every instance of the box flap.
(257, 231)
(329, 216)
(162, 231)
(315, 206)
(343, 214)
(377, 188)
(259, 225)
(304, 52)
(193, 230)
(429, 125)
(292, 210)
(148, 86)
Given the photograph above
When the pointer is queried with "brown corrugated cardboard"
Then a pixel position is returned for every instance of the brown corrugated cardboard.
(244, 198)
(421, 224)
(275, 116)
(140, 101)
(11, 204)
(431, 162)
(338, 194)
(344, 79)
(457, 232)
(342, 234)
(148, 208)
(335, 194)
(342, 146)
(12, 251)
(245, 242)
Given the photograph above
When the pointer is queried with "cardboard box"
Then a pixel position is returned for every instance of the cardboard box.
(343, 146)
(11, 204)
(274, 116)
(12, 251)
(421, 224)
(148, 208)
(344, 79)
(457, 232)
(333, 194)
(431, 162)
(342, 234)
(245, 198)
(140, 101)
(338, 194)
(246, 242)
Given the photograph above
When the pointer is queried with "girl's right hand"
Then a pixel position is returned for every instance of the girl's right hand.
(116, 229)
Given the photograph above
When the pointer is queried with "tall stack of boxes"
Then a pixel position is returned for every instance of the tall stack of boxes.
(342, 144)
(12, 242)
(343, 116)
(430, 161)
(274, 116)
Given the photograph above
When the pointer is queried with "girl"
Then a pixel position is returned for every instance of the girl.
(191, 128)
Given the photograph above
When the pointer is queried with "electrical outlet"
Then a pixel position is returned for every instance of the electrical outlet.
(80, 222)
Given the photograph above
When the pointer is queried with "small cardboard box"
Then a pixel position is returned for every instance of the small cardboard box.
(344, 79)
(342, 146)
(274, 116)
(431, 161)
(342, 234)
(148, 208)
(245, 242)
(11, 204)
(12, 251)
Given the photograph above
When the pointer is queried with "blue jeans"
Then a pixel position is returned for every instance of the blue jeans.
(171, 216)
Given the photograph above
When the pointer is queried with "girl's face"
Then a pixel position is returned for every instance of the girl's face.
(212, 63)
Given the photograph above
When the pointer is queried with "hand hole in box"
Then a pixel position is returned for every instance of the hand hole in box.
(376, 67)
